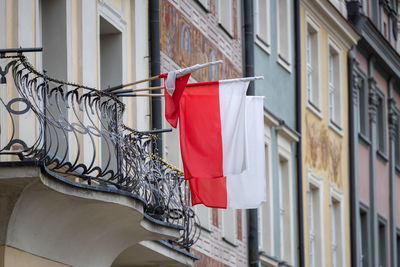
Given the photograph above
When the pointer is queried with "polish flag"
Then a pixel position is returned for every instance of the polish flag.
(246, 190)
(213, 138)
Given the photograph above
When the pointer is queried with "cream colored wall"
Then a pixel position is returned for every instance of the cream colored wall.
(11, 257)
(23, 28)
(316, 128)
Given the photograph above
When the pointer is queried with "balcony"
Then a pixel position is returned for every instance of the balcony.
(77, 186)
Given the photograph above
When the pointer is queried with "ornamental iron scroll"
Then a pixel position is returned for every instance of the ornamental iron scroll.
(78, 134)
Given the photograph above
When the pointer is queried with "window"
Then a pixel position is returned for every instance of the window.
(334, 85)
(364, 237)
(229, 226)
(285, 220)
(382, 244)
(110, 74)
(380, 124)
(284, 31)
(262, 23)
(225, 15)
(55, 61)
(265, 216)
(397, 144)
(312, 59)
(315, 223)
(203, 213)
(337, 230)
(362, 104)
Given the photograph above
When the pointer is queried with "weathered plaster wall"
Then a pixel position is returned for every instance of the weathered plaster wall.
(278, 84)
(325, 148)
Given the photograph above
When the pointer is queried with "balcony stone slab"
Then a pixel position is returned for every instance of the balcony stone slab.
(76, 225)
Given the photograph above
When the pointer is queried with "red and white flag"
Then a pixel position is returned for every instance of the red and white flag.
(212, 137)
(247, 189)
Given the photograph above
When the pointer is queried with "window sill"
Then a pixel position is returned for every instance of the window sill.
(284, 63)
(203, 228)
(337, 129)
(397, 170)
(205, 9)
(262, 44)
(382, 156)
(314, 109)
(364, 139)
(227, 33)
(229, 242)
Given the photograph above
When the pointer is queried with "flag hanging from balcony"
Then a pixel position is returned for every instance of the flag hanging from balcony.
(213, 138)
(243, 190)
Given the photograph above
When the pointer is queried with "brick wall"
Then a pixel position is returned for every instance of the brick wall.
(178, 20)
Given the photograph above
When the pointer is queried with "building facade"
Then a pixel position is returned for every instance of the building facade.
(375, 134)
(72, 192)
(196, 32)
(326, 38)
(274, 58)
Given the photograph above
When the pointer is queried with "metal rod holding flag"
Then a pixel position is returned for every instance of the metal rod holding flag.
(131, 92)
(243, 79)
(120, 91)
(108, 90)
(179, 73)
(135, 95)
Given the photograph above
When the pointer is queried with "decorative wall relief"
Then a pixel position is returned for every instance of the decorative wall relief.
(323, 151)
(187, 46)
(324, 148)
(335, 153)
(313, 143)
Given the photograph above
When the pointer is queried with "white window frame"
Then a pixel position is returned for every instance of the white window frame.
(284, 60)
(205, 4)
(286, 241)
(226, 6)
(315, 107)
(334, 122)
(229, 218)
(204, 215)
(316, 183)
(262, 41)
(266, 244)
(338, 197)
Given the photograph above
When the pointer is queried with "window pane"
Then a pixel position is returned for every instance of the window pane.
(229, 225)
(284, 29)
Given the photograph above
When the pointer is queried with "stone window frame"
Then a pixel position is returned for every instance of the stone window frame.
(284, 60)
(383, 245)
(314, 106)
(364, 210)
(263, 42)
(381, 139)
(334, 122)
(337, 198)
(316, 183)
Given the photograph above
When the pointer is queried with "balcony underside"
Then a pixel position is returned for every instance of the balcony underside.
(73, 224)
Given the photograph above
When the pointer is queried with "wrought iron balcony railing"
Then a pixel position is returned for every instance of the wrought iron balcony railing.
(77, 133)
